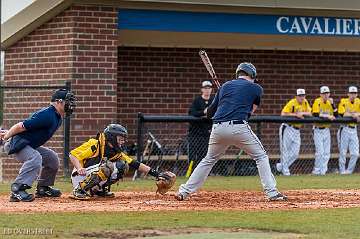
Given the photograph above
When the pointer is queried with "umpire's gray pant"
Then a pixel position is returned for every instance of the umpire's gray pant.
(36, 160)
(222, 136)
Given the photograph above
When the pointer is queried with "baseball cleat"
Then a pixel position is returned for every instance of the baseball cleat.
(47, 191)
(278, 197)
(79, 194)
(86, 198)
(105, 194)
(18, 193)
(179, 197)
(21, 196)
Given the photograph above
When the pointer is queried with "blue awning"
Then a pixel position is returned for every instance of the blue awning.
(180, 21)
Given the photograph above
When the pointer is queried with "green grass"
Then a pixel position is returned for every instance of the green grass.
(320, 223)
(330, 223)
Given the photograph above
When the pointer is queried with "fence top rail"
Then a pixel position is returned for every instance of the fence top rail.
(254, 119)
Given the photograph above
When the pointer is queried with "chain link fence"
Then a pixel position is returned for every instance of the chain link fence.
(172, 143)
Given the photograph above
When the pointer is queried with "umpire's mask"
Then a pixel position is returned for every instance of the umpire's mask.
(68, 97)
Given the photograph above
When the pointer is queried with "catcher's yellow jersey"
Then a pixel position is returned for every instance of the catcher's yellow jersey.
(323, 108)
(88, 153)
(294, 106)
(346, 105)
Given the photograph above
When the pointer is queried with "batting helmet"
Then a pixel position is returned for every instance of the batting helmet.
(248, 68)
(112, 131)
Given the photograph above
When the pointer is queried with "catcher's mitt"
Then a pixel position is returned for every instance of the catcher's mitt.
(165, 181)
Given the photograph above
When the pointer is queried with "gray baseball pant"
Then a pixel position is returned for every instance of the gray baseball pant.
(322, 140)
(290, 142)
(222, 136)
(348, 140)
(41, 160)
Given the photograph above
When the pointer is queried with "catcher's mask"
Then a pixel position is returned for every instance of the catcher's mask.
(111, 132)
(68, 97)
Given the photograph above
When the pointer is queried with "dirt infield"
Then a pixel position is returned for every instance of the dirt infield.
(185, 232)
(204, 200)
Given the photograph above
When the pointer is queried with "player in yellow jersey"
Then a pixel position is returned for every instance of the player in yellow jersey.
(289, 134)
(101, 162)
(323, 107)
(347, 134)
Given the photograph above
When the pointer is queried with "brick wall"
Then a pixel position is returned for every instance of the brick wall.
(79, 45)
(165, 80)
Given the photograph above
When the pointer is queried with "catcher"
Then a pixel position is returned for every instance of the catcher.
(101, 162)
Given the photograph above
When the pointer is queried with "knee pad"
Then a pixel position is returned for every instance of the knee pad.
(105, 170)
(122, 168)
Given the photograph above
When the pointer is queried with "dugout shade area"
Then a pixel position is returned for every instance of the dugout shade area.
(125, 57)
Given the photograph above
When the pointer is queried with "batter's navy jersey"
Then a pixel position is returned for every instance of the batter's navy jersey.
(234, 100)
(41, 126)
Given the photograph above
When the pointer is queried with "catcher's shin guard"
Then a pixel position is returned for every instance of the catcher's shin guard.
(90, 181)
(81, 191)
(95, 178)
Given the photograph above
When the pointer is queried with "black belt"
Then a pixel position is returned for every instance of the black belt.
(231, 122)
(297, 128)
(320, 127)
(351, 127)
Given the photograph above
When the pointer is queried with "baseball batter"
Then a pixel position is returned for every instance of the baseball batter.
(347, 134)
(101, 162)
(289, 134)
(323, 107)
(233, 104)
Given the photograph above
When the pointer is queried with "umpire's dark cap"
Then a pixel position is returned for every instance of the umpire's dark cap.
(59, 95)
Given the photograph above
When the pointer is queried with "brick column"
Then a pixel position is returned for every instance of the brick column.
(78, 45)
(95, 69)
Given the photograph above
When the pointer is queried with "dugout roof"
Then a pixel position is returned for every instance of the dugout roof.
(258, 24)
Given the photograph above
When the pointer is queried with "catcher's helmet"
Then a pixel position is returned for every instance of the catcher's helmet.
(248, 68)
(113, 130)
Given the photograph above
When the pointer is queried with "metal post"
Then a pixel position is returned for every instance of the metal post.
(140, 145)
(258, 130)
(140, 140)
(67, 138)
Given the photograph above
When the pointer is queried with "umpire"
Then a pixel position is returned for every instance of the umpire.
(25, 140)
(233, 104)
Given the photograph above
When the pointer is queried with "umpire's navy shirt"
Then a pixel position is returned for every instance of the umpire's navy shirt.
(234, 100)
(41, 126)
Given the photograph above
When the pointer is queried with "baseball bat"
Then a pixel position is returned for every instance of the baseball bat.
(190, 168)
(206, 60)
